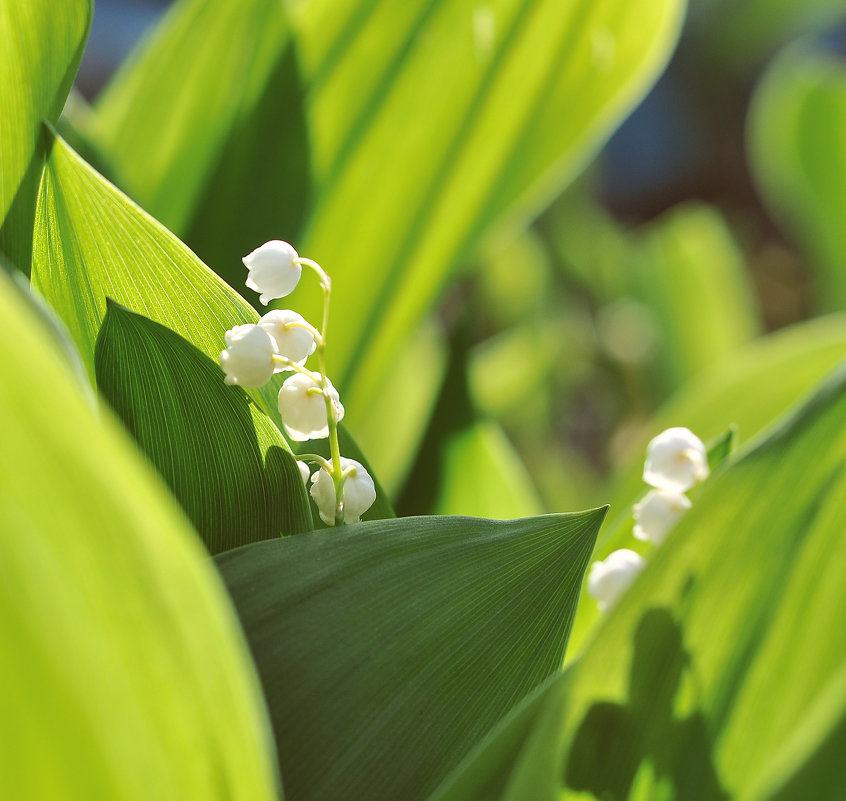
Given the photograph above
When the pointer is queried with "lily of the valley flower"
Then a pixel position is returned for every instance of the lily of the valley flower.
(305, 471)
(610, 578)
(290, 333)
(248, 358)
(675, 460)
(657, 513)
(359, 492)
(303, 407)
(273, 270)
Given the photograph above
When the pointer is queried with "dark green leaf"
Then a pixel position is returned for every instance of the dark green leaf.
(388, 649)
(224, 460)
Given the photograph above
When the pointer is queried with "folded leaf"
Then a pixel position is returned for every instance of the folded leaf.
(224, 460)
(42, 46)
(124, 674)
(388, 649)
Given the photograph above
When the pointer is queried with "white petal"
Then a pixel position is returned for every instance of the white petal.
(293, 342)
(272, 270)
(657, 513)
(305, 471)
(675, 460)
(610, 578)
(248, 358)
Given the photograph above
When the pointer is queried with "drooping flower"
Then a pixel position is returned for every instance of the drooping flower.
(675, 460)
(610, 578)
(657, 513)
(248, 358)
(292, 340)
(305, 471)
(273, 271)
(303, 408)
(359, 492)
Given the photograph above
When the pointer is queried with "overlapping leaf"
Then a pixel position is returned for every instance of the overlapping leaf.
(124, 673)
(42, 46)
(498, 105)
(715, 676)
(93, 243)
(388, 649)
(223, 459)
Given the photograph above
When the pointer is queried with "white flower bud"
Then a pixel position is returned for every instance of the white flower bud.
(305, 471)
(248, 358)
(303, 407)
(359, 492)
(675, 460)
(272, 271)
(293, 342)
(657, 513)
(609, 579)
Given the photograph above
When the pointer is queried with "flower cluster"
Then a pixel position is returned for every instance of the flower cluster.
(282, 341)
(675, 461)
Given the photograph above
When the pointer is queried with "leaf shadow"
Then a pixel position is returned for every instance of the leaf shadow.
(615, 742)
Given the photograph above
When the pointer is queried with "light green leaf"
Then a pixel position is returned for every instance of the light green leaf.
(499, 105)
(693, 277)
(165, 119)
(797, 145)
(125, 674)
(750, 390)
(388, 649)
(42, 46)
(718, 659)
(390, 426)
(482, 474)
(223, 459)
(93, 243)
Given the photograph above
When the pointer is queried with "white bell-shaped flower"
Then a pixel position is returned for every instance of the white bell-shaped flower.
(610, 578)
(657, 513)
(675, 460)
(285, 328)
(359, 492)
(248, 358)
(272, 270)
(305, 471)
(303, 408)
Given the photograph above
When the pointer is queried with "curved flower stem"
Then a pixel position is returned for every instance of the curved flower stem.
(334, 447)
(297, 368)
(318, 337)
(317, 459)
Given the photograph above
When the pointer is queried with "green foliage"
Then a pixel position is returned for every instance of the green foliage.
(124, 674)
(551, 81)
(693, 278)
(707, 681)
(388, 649)
(42, 46)
(797, 145)
(223, 459)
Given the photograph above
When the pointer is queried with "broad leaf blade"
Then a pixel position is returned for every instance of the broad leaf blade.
(223, 459)
(42, 46)
(124, 671)
(708, 670)
(388, 649)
